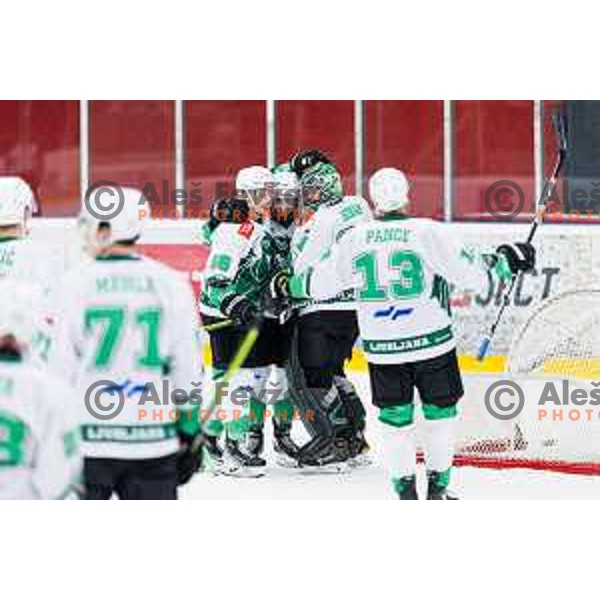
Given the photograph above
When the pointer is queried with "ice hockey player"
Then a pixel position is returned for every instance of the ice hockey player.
(20, 256)
(126, 337)
(243, 259)
(35, 262)
(39, 428)
(16, 207)
(284, 218)
(326, 331)
(399, 268)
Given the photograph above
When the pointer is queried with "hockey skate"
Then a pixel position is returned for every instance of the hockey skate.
(325, 456)
(213, 454)
(360, 451)
(406, 487)
(286, 449)
(437, 487)
(240, 462)
(255, 442)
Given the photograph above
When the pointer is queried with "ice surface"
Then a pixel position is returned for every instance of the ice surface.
(371, 482)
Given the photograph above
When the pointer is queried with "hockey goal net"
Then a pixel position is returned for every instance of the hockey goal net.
(555, 356)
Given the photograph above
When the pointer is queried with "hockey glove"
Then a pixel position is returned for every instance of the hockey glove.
(279, 287)
(238, 308)
(284, 285)
(520, 256)
(189, 458)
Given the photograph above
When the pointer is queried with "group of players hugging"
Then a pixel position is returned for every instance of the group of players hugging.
(296, 273)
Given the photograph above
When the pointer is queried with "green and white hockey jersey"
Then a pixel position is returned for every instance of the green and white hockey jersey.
(40, 265)
(131, 323)
(314, 240)
(39, 434)
(243, 259)
(30, 260)
(398, 269)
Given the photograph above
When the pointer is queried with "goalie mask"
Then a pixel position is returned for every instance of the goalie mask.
(17, 202)
(321, 183)
(389, 189)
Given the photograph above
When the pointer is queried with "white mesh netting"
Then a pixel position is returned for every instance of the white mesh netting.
(557, 346)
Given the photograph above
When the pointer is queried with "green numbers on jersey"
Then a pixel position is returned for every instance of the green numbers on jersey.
(112, 321)
(409, 281)
(221, 262)
(149, 321)
(12, 441)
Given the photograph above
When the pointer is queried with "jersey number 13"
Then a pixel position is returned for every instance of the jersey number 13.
(406, 278)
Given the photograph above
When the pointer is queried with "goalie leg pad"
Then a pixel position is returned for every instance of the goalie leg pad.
(308, 400)
(351, 401)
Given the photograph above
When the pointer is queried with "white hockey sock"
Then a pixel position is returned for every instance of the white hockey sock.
(439, 443)
(400, 449)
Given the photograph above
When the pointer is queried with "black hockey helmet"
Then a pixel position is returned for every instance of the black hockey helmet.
(305, 159)
(231, 209)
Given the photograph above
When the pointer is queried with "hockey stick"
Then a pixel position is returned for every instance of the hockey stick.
(218, 325)
(238, 359)
(561, 130)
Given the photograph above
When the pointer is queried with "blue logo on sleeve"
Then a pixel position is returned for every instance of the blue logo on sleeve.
(392, 312)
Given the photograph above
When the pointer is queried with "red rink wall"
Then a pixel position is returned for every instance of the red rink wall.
(455, 149)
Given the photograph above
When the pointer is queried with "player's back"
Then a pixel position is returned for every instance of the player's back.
(126, 319)
(31, 260)
(39, 454)
(400, 267)
(315, 238)
(324, 227)
(392, 257)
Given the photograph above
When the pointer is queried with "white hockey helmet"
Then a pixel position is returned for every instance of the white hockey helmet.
(16, 200)
(127, 218)
(288, 196)
(286, 181)
(254, 178)
(389, 189)
(20, 309)
(131, 221)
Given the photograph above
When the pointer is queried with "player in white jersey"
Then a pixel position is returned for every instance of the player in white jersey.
(278, 323)
(39, 431)
(326, 330)
(22, 257)
(398, 268)
(244, 257)
(127, 339)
